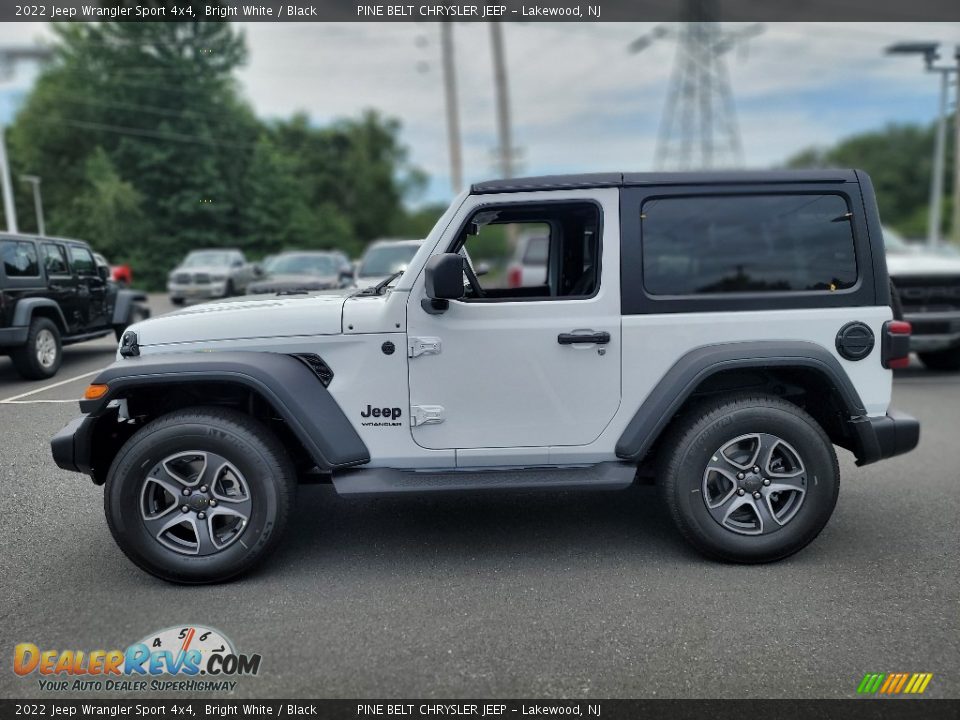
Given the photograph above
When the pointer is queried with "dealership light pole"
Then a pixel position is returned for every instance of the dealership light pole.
(37, 201)
(931, 54)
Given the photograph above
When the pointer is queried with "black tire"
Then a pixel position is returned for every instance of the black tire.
(178, 301)
(696, 442)
(229, 291)
(43, 333)
(948, 360)
(265, 470)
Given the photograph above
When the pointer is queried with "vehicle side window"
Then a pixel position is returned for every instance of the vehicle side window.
(55, 260)
(82, 260)
(559, 255)
(747, 244)
(19, 258)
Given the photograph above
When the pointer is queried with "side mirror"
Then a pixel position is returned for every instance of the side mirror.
(443, 279)
(104, 272)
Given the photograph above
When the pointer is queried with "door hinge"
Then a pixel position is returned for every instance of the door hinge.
(426, 415)
(417, 346)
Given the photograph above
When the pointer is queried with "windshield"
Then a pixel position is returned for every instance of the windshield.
(303, 264)
(894, 242)
(387, 259)
(203, 258)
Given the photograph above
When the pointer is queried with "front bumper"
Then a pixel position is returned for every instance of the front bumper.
(200, 292)
(878, 438)
(13, 336)
(71, 446)
(932, 331)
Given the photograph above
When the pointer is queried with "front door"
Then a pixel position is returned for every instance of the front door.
(522, 367)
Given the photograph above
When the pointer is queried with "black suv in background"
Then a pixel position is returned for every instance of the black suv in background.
(52, 294)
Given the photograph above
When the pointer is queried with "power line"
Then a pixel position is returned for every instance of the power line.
(142, 132)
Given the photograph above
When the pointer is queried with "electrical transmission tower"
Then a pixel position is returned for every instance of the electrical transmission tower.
(699, 126)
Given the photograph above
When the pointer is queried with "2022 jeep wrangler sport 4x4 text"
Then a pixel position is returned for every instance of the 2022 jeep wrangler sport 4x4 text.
(716, 333)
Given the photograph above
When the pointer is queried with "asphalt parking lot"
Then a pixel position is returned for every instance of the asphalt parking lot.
(578, 595)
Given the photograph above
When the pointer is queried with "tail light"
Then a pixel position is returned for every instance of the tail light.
(895, 344)
(514, 277)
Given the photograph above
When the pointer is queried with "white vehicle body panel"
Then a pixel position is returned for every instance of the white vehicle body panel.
(501, 376)
(511, 395)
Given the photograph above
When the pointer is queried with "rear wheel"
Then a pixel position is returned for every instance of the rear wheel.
(749, 479)
(199, 495)
(941, 359)
(176, 301)
(42, 354)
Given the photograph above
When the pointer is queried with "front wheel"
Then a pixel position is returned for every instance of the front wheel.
(749, 479)
(42, 354)
(199, 495)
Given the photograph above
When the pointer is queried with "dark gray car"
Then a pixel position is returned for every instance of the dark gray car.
(303, 272)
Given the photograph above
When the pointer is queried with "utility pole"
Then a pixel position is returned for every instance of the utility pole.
(9, 56)
(931, 53)
(452, 106)
(9, 208)
(505, 151)
(956, 153)
(37, 201)
(698, 128)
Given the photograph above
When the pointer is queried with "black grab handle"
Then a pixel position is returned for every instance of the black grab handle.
(600, 338)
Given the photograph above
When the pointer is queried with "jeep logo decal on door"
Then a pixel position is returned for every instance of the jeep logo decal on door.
(390, 416)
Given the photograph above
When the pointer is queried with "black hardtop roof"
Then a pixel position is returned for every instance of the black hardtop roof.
(621, 179)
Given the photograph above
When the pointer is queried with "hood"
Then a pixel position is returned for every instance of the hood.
(294, 281)
(921, 263)
(246, 318)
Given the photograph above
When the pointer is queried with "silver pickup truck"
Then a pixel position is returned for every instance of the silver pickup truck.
(928, 285)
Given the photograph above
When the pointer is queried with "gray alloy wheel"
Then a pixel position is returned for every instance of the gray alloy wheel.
(46, 348)
(195, 503)
(754, 484)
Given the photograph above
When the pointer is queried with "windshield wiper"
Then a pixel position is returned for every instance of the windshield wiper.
(380, 286)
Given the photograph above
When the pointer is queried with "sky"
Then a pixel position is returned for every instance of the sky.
(580, 101)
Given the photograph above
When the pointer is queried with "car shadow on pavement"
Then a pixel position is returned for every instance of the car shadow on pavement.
(76, 359)
(494, 528)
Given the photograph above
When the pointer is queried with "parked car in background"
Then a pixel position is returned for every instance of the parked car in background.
(529, 266)
(291, 272)
(928, 285)
(54, 293)
(384, 258)
(121, 274)
(208, 274)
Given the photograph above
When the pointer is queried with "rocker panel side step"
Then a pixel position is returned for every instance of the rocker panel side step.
(390, 481)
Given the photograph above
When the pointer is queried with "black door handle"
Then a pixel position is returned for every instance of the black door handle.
(600, 338)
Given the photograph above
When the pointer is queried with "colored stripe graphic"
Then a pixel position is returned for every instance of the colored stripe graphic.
(894, 683)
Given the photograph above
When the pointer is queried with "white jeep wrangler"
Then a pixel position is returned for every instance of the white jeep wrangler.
(716, 334)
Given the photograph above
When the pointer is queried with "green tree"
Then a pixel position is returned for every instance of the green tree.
(107, 208)
(899, 160)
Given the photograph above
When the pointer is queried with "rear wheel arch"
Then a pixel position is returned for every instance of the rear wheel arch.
(803, 373)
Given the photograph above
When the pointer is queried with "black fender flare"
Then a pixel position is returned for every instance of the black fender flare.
(679, 382)
(126, 301)
(25, 309)
(286, 382)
